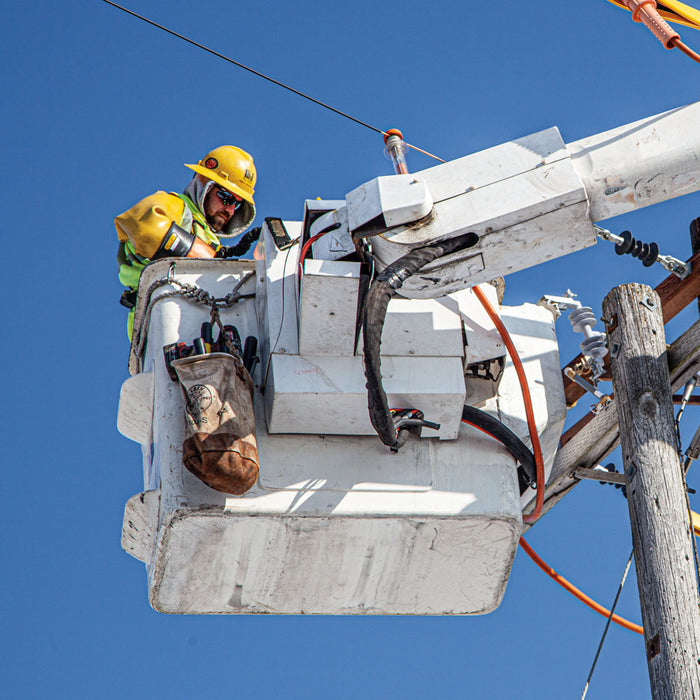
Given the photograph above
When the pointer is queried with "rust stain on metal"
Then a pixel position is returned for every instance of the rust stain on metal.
(612, 324)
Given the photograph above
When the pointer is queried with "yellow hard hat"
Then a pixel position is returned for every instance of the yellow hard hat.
(230, 167)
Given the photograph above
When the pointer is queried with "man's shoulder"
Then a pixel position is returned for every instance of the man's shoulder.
(162, 196)
(149, 219)
(163, 202)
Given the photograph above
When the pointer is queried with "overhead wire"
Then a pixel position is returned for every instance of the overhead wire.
(262, 75)
(693, 530)
(692, 517)
(607, 626)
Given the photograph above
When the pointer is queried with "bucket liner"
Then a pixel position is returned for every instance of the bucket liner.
(220, 447)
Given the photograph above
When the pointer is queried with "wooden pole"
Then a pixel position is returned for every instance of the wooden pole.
(661, 531)
(695, 241)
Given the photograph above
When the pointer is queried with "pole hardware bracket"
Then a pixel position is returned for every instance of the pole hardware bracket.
(574, 377)
(604, 402)
(610, 324)
(600, 474)
(649, 302)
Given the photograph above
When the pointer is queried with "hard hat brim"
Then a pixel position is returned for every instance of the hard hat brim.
(214, 177)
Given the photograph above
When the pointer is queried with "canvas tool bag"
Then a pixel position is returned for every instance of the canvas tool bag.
(220, 446)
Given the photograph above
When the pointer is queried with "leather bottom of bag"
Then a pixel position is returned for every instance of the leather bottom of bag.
(225, 462)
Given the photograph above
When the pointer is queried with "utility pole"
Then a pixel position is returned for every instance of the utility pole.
(661, 531)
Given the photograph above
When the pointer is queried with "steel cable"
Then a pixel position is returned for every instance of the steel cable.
(261, 75)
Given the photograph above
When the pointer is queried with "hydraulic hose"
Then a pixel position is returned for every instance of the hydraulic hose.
(527, 400)
(576, 592)
(385, 286)
(527, 474)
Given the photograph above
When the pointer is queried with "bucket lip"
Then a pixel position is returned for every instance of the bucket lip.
(192, 359)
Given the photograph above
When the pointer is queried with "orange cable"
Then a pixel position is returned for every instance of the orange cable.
(307, 245)
(420, 150)
(686, 50)
(576, 592)
(532, 428)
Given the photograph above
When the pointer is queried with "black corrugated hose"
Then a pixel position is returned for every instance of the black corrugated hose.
(492, 426)
(385, 285)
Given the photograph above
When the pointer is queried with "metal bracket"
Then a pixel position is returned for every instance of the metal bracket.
(603, 403)
(615, 349)
(569, 372)
(649, 302)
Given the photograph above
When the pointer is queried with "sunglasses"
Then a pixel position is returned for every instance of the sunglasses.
(228, 198)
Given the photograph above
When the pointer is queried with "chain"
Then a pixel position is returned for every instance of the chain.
(192, 293)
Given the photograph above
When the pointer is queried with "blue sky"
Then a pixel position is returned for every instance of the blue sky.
(100, 110)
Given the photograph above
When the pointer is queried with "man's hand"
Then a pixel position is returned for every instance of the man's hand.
(242, 247)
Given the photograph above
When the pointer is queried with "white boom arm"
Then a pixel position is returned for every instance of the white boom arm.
(530, 200)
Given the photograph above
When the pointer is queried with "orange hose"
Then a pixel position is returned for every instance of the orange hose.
(686, 50)
(532, 428)
(576, 592)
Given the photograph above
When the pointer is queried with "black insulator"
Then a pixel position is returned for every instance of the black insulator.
(652, 255)
(646, 252)
(613, 470)
(639, 250)
(626, 245)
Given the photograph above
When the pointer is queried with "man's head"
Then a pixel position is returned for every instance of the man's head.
(227, 180)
